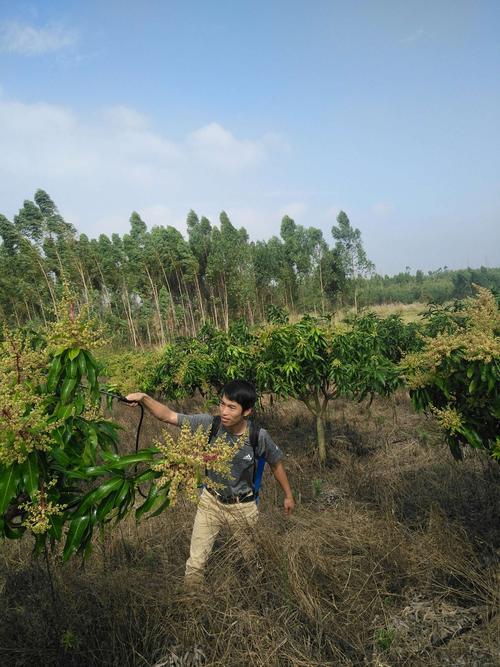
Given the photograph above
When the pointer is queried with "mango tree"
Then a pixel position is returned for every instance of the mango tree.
(309, 360)
(204, 363)
(316, 364)
(61, 474)
(455, 375)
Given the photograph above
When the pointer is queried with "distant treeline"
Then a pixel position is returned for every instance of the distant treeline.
(435, 286)
(150, 286)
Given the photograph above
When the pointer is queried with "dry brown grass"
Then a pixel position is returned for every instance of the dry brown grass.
(392, 551)
(409, 312)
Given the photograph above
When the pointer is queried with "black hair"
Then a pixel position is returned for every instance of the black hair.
(241, 392)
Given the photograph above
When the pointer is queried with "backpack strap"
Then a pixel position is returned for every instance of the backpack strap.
(259, 461)
(214, 428)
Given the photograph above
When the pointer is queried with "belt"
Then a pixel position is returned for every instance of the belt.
(230, 500)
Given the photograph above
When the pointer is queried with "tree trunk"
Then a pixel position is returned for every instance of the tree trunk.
(320, 428)
(128, 311)
(54, 302)
(250, 314)
(157, 305)
(226, 305)
(27, 310)
(188, 299)
(322, 289)
(184, 313)
(84, 282)
(214, 308)
(172, 304)
(318, 408)
(42, 310)
(200, 299)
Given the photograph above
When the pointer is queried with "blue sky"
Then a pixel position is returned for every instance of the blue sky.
(387, 110)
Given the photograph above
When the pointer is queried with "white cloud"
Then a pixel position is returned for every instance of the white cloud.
(217, 147)
(103, 166)
(28, 40)
(126, 117)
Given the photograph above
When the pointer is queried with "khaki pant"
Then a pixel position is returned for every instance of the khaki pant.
(211, 516)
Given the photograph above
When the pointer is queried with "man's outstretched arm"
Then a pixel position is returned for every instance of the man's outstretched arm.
(280, 474)
(157, 409)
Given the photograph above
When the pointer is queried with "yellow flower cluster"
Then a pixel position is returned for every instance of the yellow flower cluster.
(482, 310)
(477, 341)
(23, 424)
(92, 413)
(448, 418)
(19, 361)
(185, 459)
(74, 327)
(39, 510)
(23, 419)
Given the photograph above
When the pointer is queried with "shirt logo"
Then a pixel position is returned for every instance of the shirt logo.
(248, 457)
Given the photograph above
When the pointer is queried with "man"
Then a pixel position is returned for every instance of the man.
(232, 501)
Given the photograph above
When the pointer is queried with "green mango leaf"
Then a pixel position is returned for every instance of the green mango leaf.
(73, 369)
(64, 412)
(91, 376)
(122, 493)
(12, 533)
(29, 472)
(166, 502)
(73, 352)
(56, 526)
(77, 528)
(132, 459)
(9, 479)
(67, 388)
(146, 476)
(95, 496)
(106, 506)
(60, 456)
(53, 375)
(148, 503)
(82, 364)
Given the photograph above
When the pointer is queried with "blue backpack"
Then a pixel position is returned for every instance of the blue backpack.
(259, 461)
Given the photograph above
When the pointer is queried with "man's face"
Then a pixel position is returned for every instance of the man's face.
(231, 413)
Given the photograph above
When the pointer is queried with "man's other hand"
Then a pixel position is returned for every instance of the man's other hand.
(289, 505)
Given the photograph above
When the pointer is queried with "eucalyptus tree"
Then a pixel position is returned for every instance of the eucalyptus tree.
(200, 241)
(229, 272)
(317, 248)
(26, 274)
(178, 268)
(350, 249)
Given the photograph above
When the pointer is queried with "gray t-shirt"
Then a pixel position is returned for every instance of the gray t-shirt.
(243, 464)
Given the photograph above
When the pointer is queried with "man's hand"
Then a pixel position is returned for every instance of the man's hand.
(157, 409)
(135, 398)
(289, 504)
